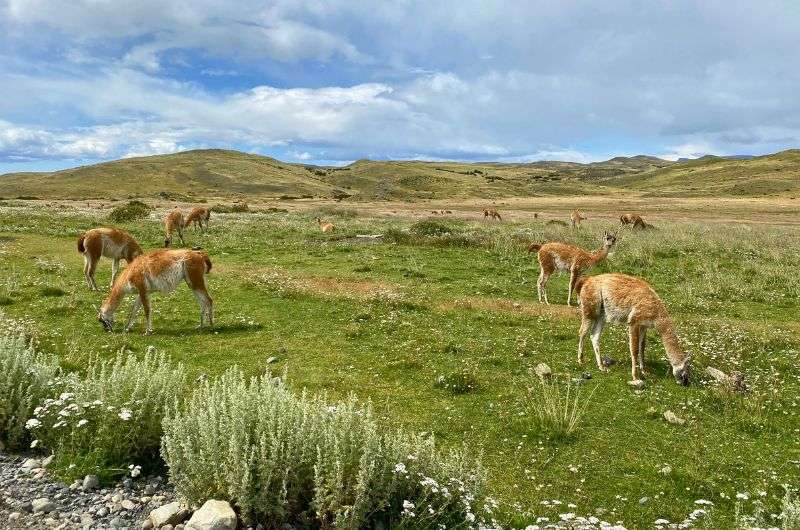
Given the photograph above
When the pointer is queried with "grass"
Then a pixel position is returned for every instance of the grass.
(386, 319)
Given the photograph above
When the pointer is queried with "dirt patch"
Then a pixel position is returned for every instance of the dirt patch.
(279, 280)
(494, 304)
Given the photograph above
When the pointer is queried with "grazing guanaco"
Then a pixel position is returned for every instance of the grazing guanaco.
(198, 216)
(491, 212)
(173, 223)
(160, 270)
(575, 219)
(325, 227)
(557, 256)
(623, 299)
(632, 219)
(109, 242)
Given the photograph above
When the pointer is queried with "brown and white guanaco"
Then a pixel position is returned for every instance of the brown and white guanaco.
(198, 216)
(491, 213)
(575, 219)
(109, 242)
(173, 222)
(623, 299)
(160, 271)
(557, 256)
(632, 219)
(325, 227)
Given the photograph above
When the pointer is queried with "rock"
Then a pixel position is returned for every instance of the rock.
(213, 515)
(171, 514)
(102, 512)
(272, 360)
(116, 498)
(128, 504)
(149, 489)
(167, 527)
(637, 384)
(543, 371)
(13, 516)
(90, 482)
(644, 500)
(179, 527)
(116, 522)
(43, 505)
(672, 418)
(147, 524)
(31, 463)
(47, 461)
(608, 361)
(586, 375)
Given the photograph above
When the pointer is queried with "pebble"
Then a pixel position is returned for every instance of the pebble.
(90, 482)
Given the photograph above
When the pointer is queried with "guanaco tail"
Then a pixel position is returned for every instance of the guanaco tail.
(623, 299)
(557, 256)
(109, 242)
(161, 271)
(325, 227)
(173, 223)
(575, 219)
(198, 217)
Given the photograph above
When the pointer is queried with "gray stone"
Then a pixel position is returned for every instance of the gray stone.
(167, 527)
(543, 371)
(43, 505)
(171, 514)
(90, 482)
(213, 515)
(47, 461)
(644, 500)
(128, 504)
(31, 463)
(637, 384)
(672, 418)
(102, 511)
(149, 489)
(147, 524)
(116, 522)
(13, 516)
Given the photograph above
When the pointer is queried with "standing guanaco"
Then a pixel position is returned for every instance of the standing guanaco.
(109, 242)
(491, 212)
(173, 223)
(575, 219)
(325, 227)
(198, 216)
(623, 299)
(159, 270)
(632, 219)
(557, 256)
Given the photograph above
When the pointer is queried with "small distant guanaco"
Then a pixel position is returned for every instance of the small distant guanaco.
(623, 299)
(491, 212)
(557, 256)
(575, 219)
(325, 227)
(632, 219)
(198, 216)
(173, 223)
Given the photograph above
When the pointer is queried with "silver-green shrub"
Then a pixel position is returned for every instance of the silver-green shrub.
(111, 418)
(25, 379)
(283, 457)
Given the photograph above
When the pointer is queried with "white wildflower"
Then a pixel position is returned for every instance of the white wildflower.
(34, 443)
(125, 414)
(400, 468)
(81, 423)
(32, 423)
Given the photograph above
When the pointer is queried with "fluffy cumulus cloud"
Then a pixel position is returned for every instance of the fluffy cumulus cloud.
(308, 81)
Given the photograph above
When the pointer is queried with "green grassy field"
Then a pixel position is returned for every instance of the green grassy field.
(385, 320)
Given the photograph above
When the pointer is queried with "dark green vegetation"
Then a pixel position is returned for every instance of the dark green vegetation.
(191, 175)
(129, 212)
(440, 329)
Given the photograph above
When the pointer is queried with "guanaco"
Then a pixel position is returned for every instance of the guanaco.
(623, 299)
(557, 256)
(632, 219)
(575, 219)
(173, 223)
(325, 227)
(159, 270)
(198, 216)
(491, 212)
(109, 242)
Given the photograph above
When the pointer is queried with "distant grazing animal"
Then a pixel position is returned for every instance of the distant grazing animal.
(563, 257)
(623, 299)
(491, 212)
(109, 242)
(632, 219)
(325, 227)
(198, 216)
(448, 211)
(575, 219)
(173, 223)
(535, 215)
(160, 270)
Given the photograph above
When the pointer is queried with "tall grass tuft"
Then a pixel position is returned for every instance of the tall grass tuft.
(288, 458)
(557, 408)
(111, 418)
(25, 379)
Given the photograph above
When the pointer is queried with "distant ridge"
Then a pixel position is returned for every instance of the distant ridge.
(208, 173)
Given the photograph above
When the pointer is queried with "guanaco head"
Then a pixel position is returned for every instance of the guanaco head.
(609, 239)
(318, 220)
(134, 250)
(682, 371)
(106, 318)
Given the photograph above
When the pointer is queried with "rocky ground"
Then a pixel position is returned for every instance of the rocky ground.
(30, 498)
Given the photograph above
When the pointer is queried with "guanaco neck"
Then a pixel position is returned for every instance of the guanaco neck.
(669, 338)
(600, 255)
(111, 303)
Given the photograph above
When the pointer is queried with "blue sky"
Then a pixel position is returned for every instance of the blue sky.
(333, 81)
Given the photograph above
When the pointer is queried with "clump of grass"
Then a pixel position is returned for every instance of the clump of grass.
(334, 211)
(111, 418)
(284, 458)
(25, 379)
(460, 381)
(131, 211)
(237, 207)
(49, 290)
(759, 518)
(556, 407)
(6, 300)
(431, 227)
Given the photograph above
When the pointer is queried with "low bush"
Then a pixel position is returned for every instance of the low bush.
(326, 210)
(131, 211)
(111, 418)
(237, 207)
(430, 227)
(26, 378)
(461, 381)
(287, 458)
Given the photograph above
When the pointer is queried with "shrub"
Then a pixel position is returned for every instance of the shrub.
(237, 207)
(557, 408)
(25, 377)
(287, 458)
(326, 210)
(430, 227)
(129, 212)
(110, 418)
(759, 518)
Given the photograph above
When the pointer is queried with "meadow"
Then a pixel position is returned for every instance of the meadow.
(437, 324)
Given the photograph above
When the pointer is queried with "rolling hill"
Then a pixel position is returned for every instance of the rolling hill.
(232, 174)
